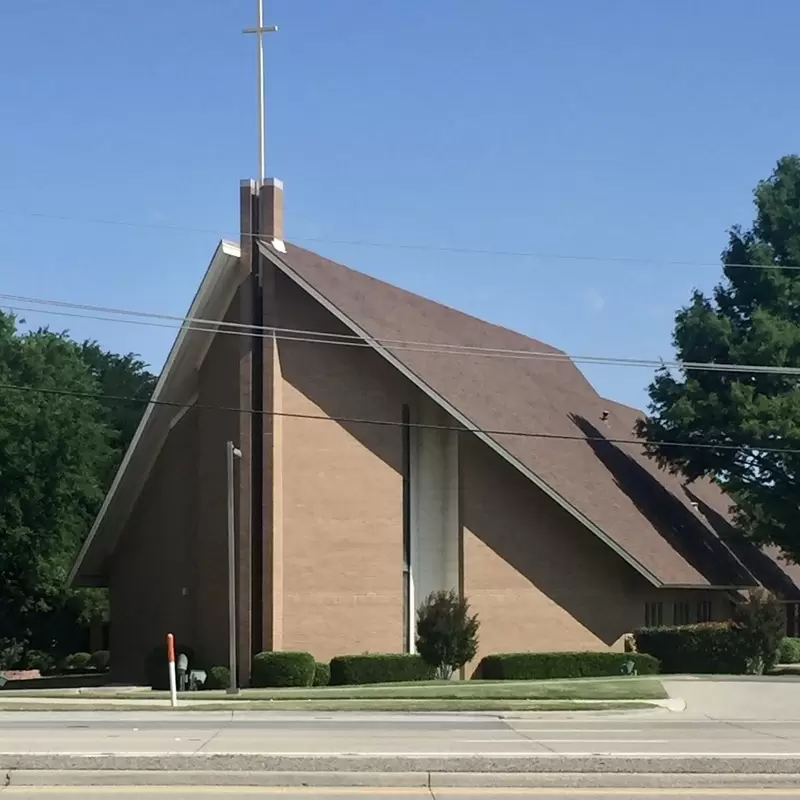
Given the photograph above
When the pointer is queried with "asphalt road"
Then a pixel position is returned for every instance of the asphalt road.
(303, 735)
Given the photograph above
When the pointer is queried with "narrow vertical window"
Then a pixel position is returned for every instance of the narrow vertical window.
(704, 611)
(680, 613)
(653, 615)
(407, 610)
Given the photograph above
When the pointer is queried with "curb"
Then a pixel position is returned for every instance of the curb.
(409, 780)
(442, 765)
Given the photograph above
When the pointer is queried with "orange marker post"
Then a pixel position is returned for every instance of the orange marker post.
(173, 681)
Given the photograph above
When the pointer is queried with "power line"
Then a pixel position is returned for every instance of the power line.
(420, 247)
(390, 423)
(352, 340)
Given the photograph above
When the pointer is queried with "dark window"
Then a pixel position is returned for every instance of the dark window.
(793, 619)
(680, 613)
(653, 615)
(704, 611)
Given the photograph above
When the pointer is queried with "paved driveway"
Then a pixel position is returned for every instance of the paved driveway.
(739, 698)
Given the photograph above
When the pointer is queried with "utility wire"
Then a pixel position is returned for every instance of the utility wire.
(537, 256)
(353, 340)
(389, 423)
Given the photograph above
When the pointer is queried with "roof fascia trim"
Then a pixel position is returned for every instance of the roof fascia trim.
(222, 255)
(456, 414)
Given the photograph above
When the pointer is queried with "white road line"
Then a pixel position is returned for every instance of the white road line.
(577, 730)
(564, 741)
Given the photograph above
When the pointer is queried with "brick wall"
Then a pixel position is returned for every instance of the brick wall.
(152, 564)
(537, 578)
(342, 491)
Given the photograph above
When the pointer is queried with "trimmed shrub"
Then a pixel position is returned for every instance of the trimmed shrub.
(38, 659)
(447, 634)
(322, 674)
(156, 669)
(217, 678)
(78, 662)
(708, 648)
(275, 669)
(789, 650)
(379, 668)
(541, 666)
(761, 626)
(101, 661)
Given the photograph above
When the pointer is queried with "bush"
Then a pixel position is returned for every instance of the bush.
(379, 668)
(217, 678)
(789, 650)
(78, 662)
(11, 652)
(38, 659)
(447, 635)
(275, 669)
(101, 661)
(322, 674)
(708, 648)
(540, 666)
(761, 626)
(156, 668)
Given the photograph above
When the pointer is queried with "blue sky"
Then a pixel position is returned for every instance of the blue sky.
(610, 130)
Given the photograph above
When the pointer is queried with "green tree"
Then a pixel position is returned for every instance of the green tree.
(119, 376)
(752, 317)
(58, 450)
(447, 634)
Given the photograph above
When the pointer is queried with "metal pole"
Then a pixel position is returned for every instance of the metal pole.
(262, 146)
(232, 452)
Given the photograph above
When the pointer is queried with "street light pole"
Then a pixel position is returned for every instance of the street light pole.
(232, 452)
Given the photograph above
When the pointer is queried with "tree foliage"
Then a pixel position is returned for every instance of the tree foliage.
(58, 450)
(752, 317)
(447, 634)
(761, 625)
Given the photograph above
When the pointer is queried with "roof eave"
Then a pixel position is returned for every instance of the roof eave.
(225, 253)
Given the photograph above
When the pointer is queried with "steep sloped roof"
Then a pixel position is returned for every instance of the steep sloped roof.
(670, 533)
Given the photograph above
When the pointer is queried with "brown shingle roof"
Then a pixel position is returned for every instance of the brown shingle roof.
(642, 510)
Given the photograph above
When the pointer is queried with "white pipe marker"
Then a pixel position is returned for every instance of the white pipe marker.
(173, 680)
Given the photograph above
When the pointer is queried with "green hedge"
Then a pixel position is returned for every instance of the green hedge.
(217, 678)
(379, 668)
(708, 648)
(789, 650)
(275, 669)
(541, 666)
(322, 674)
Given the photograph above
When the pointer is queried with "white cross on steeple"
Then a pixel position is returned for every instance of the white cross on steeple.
(260, 30)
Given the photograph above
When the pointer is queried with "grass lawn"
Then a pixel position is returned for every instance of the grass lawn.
(344, 705)
(615, 689)
(477, 695)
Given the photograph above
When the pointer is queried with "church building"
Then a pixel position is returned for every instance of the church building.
(390, 446)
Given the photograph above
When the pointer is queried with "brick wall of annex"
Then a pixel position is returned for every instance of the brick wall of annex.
(537, 578)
